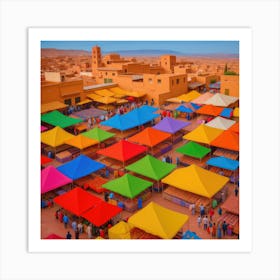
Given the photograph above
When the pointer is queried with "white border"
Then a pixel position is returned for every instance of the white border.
(243, 35)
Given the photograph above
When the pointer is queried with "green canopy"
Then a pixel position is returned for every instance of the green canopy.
(127, 185)
(151, 167)
(98, 134)
(193, 149)
(56, 118)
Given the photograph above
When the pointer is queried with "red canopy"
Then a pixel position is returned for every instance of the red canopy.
(227, 140)
(123, 150)
(102, 213)
(234, 128)
(77, 201)
(54, 236)
(45, 159)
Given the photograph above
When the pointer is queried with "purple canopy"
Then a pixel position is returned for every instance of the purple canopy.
(170, 125)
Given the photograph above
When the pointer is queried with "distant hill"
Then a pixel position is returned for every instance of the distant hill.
(131, 53)
(57, 52)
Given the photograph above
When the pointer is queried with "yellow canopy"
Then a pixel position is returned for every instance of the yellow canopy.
(174, 100)
(94, 96)
(135, 94)
(118, 90)
(55, 137)
(106, 99)
(84, 102)
(55, 105)
(236, 112)
(196, 180)
(121, 101)
(104, 92)
(158, 220)
(119, 95)
(120, 231)
(203, 134)
(81, 142)
(187, 97)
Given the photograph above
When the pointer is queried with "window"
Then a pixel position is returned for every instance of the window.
(113, 74)
(177, 81)
(226, 91)
(106, 73)
(68, 101)
(77, 100)
(159, 81)
(150, 80)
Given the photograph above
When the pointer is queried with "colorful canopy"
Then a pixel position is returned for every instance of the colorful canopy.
(120, 231)
(151, 167)
(54, 236)
(101, 213)
(210, 110)
(202, 98)
(203, 134)
(127, 185)
(221, 123)
(106, 100)
(190, 235)
(236, 112)
(170, 125)
(219, 99)
(81, 142)
(43, 128)
(184, 109)
(104, 92)
(89, 113)
(234, 128)
(158, 220)
(77, 201)
(195, 106)
(227, 113)
(52, 179)
(55, 118)
(55, 105)
(123, 151)
(98, 134)
(45, 160)
(189, 96)
(118, 90)
(86, 101)
(196, 180)
(227, 140)
(149, 137)
(223, 162)
(193, 149)
(118, 122)
(55, 137)
(80, 167)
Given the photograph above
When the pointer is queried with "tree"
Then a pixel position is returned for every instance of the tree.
(226, 69)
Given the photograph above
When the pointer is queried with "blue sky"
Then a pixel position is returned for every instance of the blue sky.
(184, 47)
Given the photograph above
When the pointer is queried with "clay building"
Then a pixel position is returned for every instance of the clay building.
(230, 85)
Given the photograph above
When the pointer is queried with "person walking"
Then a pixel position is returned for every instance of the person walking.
(199, 221)
(65, 220)
(224, 227)
(89, 231)
(68, 235)
(202, 210)
(80, 227)
(60, 216)
(219, 231)
(77, 233)
(74, 225)
(205, 222)
(220, 211)
(214, 230)
(236, 191)
(211, 213)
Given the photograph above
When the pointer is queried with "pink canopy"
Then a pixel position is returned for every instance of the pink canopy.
(52, 179)
(43, 128)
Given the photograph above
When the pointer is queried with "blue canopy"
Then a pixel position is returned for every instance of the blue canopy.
(227, 112)
(136, 117)
(195, 106)
(216, 85)
(223, 162)
(80, 167)
(184, 109)
(190, 235)
(119, 123)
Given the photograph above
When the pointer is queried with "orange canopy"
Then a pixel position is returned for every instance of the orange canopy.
(234, 128)
(227, 140)
(210, 110)
(149, 137)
